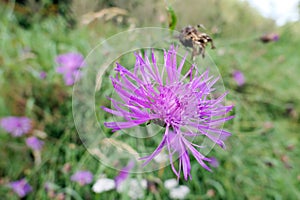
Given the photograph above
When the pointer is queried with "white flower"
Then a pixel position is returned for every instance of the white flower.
(103, 184)
(179, 192)
(170, 183)
(133, 187)
(161, 158)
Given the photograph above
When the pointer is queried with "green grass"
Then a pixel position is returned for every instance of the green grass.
(262, 156)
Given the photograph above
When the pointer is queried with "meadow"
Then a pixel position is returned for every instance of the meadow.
(261, 159)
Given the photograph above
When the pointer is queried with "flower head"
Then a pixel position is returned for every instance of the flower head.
(21, 187)
(182, 104)
(275, 37)
(103, 185)
(16, 126)
(239, 78)
(69, 66)
(34, 143)
(82, 177)
(171, 183)
(134, 188)
(43, 75)
(176, 191)
(179, 192)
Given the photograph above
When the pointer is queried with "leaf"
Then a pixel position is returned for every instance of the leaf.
(172, 18)
(217, 186)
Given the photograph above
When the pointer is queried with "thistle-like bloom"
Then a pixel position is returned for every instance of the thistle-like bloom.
(16, 126)
(69, 66)
(182, 103)
(34, 143)
(239, 78)
(21, 187)
(82, 177)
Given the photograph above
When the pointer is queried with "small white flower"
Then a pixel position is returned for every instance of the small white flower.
(161, 158)
(170, 183)
(133, 187)
(179, 192)
(103, 184)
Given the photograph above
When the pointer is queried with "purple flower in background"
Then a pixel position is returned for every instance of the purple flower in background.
(69, 66)
(123, 174)
(82, 177)
(43, 75)
(239, 78)
(34, 143)
(16, 126)
(182, 104)
(214, 162)
(21, 187)
(275, 37)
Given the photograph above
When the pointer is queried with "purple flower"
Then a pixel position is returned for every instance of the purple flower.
(43, 75)
(180, 143)
(214, 162)
(82, 177)
(69, 66)
(21, 187)
(123, 174)
(183, 105)
(275, 37)
(34, 143)
(16, 126)
(239, 78)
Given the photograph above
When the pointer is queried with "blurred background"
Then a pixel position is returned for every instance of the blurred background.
(257, 55)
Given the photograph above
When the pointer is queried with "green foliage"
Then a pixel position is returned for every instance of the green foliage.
(172, 18)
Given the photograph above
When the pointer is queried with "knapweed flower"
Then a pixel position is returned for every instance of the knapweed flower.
(82, 177)
(181, 103)
(16, 126)
(69, 66)
(43, 75)
(21, 187)
(123, 174)
(238, 77)
(34, 143)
